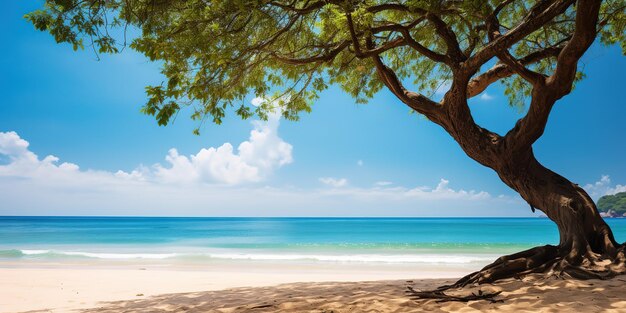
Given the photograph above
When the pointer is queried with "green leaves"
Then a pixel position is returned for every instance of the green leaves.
(166, 112)
(616, 203)
(244, 112)
(41, 19)
(613, 21)
(517, 90)
(215, 54)
(106, 44)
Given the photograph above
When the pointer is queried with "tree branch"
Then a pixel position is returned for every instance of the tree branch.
(388, 6)
(584, 34)
(404, 30)
(307, 8)
(453, 49)
(415, 101)
(423, 50)
(538, 16)
(281, 31)
(374, 50)
(531, 127)
(501, 70)
(322, 57)
(493, 32)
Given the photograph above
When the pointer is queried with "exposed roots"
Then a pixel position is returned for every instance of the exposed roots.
(549, 260)
(443, 297)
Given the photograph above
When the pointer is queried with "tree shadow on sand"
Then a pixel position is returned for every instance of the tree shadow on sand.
(531, 294)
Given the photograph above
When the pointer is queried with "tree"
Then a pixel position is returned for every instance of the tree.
(216, 53)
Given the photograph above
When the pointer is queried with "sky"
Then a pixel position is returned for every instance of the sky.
(73, 142)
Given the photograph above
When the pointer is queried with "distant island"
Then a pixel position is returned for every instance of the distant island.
(613, 205)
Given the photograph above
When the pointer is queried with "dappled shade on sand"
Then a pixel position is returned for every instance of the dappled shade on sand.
(528, 295)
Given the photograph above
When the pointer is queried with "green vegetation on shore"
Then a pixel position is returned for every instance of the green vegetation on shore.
(615, 205)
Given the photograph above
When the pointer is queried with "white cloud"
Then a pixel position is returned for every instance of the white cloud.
(253, 161)
(439, 192)
(12, 145)
(257, 101)
(333, 182)
(603, 187)
(23, 163)
(204, 184)
(383, 183)
(443, 191)
(485, 96)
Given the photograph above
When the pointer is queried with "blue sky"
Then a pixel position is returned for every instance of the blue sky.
(341, 159)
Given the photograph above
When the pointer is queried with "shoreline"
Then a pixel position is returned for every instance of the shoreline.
(165, 265)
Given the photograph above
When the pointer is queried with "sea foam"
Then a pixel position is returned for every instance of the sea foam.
(341, 258)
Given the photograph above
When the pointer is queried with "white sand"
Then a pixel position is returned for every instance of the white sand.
(61, 289)
(530, 295)
(335, 289)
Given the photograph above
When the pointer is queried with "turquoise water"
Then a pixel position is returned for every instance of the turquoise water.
(364, 240)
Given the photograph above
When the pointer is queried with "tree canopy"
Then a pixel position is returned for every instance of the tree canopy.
(216, 53)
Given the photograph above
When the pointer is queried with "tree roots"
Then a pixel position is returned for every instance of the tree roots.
(443, 297)
(552, 261)
(549, 260)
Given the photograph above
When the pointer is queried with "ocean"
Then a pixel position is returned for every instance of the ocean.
(470, 242)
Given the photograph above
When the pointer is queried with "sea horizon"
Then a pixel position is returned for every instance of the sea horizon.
(421, 243)
(284, 217)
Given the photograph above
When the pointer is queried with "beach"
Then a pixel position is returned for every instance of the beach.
(148, 290)
(73, 264)
(58, 289)
(312, 156)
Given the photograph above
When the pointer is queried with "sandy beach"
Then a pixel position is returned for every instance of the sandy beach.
(312, 156)
(70, 288)
(388, 296)
(286, 290)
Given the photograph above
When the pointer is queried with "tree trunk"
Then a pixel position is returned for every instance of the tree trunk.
(581, 228)
(587, 248)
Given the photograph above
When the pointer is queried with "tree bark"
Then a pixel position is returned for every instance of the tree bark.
(587, 248)
(581, 228)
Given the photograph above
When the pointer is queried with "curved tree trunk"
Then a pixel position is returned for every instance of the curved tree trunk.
(586, 249)
(580, 225)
